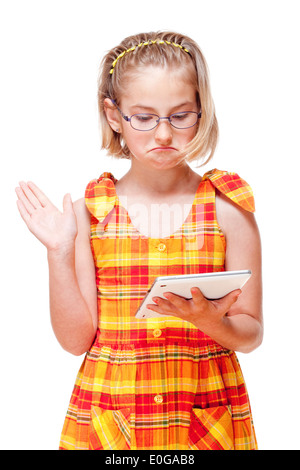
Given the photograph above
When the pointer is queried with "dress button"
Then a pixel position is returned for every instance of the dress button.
(157, 332)
(158, 399)
(161, 247)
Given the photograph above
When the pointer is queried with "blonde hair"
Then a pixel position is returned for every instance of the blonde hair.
(114, 78)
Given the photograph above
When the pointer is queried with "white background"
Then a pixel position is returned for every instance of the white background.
(50, 53)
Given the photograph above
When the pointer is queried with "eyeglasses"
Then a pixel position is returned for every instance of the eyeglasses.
(147, 122)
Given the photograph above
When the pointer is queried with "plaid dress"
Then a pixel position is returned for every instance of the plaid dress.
(157, 383)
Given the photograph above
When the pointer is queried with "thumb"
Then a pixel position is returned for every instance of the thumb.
(228, 300)
(67, 203)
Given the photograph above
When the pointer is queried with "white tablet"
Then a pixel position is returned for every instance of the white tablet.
(212, 286)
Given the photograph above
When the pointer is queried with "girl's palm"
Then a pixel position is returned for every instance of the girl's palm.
(55, 229)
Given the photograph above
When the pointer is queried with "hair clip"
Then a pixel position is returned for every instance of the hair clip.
(146, 43)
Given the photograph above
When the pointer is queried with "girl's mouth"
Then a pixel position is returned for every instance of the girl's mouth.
(160, 149)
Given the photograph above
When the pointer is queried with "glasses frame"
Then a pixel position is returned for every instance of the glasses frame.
(169, 118)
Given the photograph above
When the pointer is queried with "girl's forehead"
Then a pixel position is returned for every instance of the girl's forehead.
(147, 81)
(157, 73)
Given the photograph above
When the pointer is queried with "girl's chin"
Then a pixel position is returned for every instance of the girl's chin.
(165, 161)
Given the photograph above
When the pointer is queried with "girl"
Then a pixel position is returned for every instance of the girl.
(170, 382)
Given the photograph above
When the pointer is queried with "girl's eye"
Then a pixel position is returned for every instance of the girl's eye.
(180, 116)
(143, 117)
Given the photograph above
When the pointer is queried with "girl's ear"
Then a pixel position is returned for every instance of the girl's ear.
(112, 115)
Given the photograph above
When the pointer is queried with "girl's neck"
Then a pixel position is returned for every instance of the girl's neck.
(156, 182)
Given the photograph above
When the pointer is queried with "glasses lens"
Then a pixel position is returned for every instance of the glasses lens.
(184, 120)
(144, 122)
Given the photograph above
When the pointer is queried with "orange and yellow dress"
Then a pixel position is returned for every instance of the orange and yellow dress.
(157, 383)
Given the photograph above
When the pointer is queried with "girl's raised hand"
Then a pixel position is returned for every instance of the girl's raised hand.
(56, 230)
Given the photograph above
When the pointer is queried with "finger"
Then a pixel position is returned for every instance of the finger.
(67, 203)
(26, 204)
(197, 295)
(158, 309)
(159, 301)
(170, 305)
(23, 212)
(175, 300)
(29, 194)
(38, 193)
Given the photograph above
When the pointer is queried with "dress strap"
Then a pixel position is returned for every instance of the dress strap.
(100, 196)
(234, 187)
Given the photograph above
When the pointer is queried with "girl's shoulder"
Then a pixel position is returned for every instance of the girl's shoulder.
(234, 202)
(233, 187)
(100, 195)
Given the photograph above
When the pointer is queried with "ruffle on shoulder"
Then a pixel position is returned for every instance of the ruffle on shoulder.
(234, 187)
(100, 196)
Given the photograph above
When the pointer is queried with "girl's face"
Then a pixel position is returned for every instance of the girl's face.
(162, 92)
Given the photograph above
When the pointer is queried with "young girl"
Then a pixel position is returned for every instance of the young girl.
(173, 381)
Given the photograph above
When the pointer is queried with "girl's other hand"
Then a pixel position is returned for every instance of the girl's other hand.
(56, 230)
(198, 310)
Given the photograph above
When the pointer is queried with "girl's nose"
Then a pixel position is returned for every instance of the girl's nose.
(163, 132)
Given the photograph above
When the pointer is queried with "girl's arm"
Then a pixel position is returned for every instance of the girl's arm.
(244, 319)
(235, 321)
(73, 299)
(73, 296)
